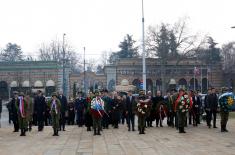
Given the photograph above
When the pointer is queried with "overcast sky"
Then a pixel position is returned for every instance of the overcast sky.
(100, 25)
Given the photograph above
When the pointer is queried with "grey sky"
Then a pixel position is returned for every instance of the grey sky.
(100, 25)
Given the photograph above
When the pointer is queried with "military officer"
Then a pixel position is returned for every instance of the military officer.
(226, 100)
(22, 107)
(55, 107)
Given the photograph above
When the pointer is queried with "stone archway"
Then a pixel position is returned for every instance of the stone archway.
(50, 87)
(204, 85)
(111, 85)
(159, 84)
(136, 82)
(149, 85)
(192, 87)
(4, 93)
(182, 83)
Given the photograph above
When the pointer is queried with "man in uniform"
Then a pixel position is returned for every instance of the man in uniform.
(55, 107)
(226, 100)
(29, 112)
(22, 107)
(182, 104)
(63, 109)
(142, 108)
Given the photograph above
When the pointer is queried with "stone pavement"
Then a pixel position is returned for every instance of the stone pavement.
(157, 141)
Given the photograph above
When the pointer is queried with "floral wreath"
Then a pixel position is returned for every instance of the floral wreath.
(142, 107)
(183, 102)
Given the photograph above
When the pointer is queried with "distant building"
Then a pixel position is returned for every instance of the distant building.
(30, 76)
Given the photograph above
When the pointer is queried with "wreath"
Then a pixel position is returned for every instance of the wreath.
(142, 107)
(183, 103)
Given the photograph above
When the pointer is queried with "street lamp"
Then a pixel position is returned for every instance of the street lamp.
(143, 52)
(64, 85)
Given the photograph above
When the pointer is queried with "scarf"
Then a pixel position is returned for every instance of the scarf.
(21, 106)
(54, 106)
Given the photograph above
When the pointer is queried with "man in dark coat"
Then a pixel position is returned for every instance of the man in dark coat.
(63, 110)
(0, 110)
(211, 107)
(40, 109)
(107, 107)
(130, 111)
(14, 112)
(80, 103)
(116, 109)
(196, 108)
(159, 102)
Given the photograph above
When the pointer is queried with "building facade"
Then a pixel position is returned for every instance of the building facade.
(30, 76)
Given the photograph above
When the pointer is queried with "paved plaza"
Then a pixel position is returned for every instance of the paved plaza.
(157, 141)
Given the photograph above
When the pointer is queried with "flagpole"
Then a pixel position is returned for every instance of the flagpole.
(194, 79)
(201, 79)
(143, 48)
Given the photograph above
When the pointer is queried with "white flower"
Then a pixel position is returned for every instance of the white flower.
(138, 104)
(186, 106)
(183, 110)
(143, 112)
(145, 106)
(181, 107)
(185, 96)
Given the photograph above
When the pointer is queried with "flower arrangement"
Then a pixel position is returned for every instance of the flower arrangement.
(226, 101)
(97, 107)
(142, 107)
(183, 102)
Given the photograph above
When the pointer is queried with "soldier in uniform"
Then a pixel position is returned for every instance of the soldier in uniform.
(14, 112)
(97, 112)
(142, 108)
(63, 109)
(182, 104)
(226, 100)
(55, 107)
(22, 107)
(29, 112)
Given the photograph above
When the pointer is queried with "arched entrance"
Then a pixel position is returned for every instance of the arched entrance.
(193, 84)
(111, 85)
(4, 90)
(204, 85)
(182, 83)
(149, 85)
(50, 87)
(159, 84)
(136, 83)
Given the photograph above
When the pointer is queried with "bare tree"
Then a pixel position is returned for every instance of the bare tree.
(228, 53)
(54, 52)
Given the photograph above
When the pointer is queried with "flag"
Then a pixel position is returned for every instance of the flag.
(196, 71)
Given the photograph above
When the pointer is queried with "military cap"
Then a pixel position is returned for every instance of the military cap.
(141, 92)
(21, 94)
(15, 92)
(54, 94)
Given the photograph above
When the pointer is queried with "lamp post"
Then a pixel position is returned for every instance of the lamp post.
(84, 86)
(143, 50)
(64, 85)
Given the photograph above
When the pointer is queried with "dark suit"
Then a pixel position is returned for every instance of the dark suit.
(40, 109)
(195, 111)
(63, 109)
(131, 110)
(211, 105)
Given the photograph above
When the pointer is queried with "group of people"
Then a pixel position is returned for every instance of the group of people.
(101, 109)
